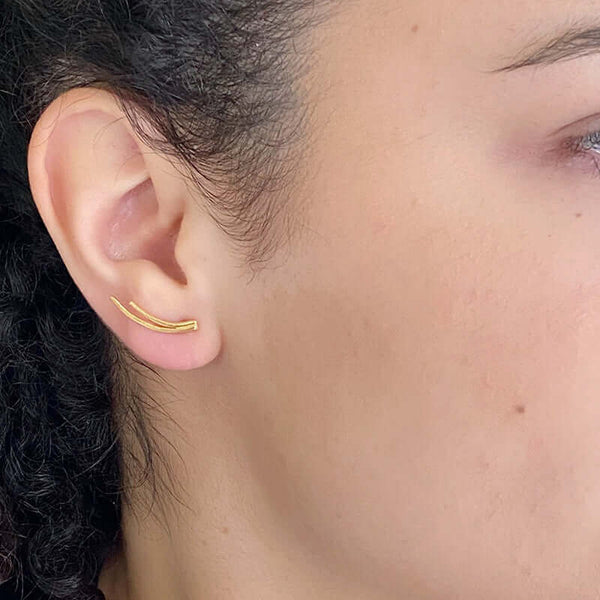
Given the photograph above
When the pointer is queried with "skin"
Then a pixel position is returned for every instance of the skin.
(404, 405)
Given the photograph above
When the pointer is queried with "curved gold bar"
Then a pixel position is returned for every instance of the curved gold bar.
(156, 323)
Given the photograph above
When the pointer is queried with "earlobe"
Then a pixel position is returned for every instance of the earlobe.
(114, 209)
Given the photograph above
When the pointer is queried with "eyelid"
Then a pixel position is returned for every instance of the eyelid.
(556, 149)
(577, 129)
(564, 143)
(569, 151)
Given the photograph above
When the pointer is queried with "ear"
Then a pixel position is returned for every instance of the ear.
(123, 220)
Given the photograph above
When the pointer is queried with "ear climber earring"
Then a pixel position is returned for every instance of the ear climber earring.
(156, 324)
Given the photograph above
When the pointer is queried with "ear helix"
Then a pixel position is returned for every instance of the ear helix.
(155, 323)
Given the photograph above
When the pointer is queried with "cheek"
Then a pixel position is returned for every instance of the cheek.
(433, 388)
(510, 386)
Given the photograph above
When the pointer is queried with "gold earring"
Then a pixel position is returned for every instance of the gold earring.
(156, 323)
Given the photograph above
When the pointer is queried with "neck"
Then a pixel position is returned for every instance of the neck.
(229, 537)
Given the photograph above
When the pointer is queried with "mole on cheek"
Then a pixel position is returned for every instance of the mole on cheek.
(520, 408)
(415, 28)
(577, 215)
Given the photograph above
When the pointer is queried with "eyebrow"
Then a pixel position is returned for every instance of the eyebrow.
(573, 43)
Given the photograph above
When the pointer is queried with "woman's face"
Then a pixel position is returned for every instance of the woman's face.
(421, 372)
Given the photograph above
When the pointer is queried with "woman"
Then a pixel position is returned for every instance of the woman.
(300, 299)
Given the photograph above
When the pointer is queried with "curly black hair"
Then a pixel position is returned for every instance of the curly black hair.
(216, 79)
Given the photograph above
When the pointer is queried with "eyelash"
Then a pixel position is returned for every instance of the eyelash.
(589, 146)
(588, 141)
